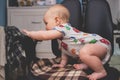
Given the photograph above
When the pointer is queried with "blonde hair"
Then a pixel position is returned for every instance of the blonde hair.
(60, 11)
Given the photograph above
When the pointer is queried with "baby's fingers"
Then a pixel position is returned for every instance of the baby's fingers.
(55, 65)
(24, 31)
(58, 65)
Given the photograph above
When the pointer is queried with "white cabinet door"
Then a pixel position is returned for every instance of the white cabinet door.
(27, 22)
(30, 19)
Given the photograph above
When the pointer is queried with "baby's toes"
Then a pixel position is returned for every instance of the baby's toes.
(55, 65)
(76, 66)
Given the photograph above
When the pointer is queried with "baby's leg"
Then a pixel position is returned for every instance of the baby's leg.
(81, 66)
(91, 55)
(63, 61)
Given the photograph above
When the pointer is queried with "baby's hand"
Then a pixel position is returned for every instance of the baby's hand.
(26, 32)
(58, 65)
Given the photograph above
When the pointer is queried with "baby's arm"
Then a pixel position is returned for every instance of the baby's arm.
(63, 61)
(43, 35)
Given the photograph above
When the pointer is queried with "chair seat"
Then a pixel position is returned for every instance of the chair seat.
(44, 71)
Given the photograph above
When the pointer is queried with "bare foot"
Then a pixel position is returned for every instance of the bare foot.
(97, 75)
(58, 65)
(80, 66)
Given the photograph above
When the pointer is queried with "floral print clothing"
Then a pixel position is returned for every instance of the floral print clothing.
(73, 40)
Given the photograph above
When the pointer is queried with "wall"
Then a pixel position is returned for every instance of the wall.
(59, 1)
(114, 5)
(119, 9)
(3, 12)
(115, 9)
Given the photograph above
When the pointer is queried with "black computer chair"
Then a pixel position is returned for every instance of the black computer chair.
(118, 41)
(98, 20)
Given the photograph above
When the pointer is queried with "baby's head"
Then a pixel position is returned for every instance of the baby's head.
(56, 15)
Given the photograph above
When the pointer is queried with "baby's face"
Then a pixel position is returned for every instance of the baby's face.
(50, 22)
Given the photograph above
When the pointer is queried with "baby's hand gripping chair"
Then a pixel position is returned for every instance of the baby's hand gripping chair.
(91, 16)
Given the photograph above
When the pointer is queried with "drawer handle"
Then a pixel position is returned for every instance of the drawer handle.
(36, 22)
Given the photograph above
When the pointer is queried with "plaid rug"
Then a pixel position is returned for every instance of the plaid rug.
(43, 69)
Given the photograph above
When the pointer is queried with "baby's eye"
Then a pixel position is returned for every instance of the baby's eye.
(45, 23)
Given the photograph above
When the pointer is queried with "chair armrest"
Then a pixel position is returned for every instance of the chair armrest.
(118, 40)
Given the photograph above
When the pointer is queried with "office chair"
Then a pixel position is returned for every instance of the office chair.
(97, 19)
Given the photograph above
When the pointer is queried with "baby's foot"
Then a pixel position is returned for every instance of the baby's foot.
(58, 65)
(80, 66)
(97, 75)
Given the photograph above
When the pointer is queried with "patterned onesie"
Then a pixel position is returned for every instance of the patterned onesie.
(73, 40)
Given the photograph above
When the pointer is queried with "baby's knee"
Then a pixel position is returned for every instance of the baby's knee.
(84, 54)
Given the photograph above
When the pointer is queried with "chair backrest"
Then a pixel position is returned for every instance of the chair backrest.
(97, 19)
(74, 8)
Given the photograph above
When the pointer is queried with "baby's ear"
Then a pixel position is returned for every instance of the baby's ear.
(58, 20)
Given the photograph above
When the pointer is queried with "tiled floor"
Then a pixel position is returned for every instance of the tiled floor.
(115, 61)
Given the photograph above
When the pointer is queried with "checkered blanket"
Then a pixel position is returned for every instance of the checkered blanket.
(14, 48)
(43, 69)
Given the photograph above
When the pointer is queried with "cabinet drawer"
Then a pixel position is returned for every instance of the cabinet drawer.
(28, 21)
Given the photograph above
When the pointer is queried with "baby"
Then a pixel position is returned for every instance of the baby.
(91, 49)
